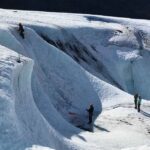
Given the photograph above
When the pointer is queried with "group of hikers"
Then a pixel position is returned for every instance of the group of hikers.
(90, 110)
(137, 102)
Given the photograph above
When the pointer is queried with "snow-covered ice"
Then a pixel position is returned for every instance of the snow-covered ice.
(69, 61)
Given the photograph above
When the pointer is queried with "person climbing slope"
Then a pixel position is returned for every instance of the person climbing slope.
(90, 111)
(135, 100)
(21, 30)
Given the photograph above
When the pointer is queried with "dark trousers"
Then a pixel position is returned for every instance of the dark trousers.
(90, 118)
(22, 34)
(135, 102)
(139, 107)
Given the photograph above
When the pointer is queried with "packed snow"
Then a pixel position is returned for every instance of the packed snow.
(65, 63)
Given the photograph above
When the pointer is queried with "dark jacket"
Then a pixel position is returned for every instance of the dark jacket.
(90, 110)
(21, 29)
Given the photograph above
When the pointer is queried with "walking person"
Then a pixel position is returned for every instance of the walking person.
(21, 30)
(139, 104)
(135, 100)
(90, 111)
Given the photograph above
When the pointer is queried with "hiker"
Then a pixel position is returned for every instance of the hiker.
(21, 30)
(139, 103)
(90, 111)
(135, 100)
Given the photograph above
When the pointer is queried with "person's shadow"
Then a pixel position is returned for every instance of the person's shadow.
(101, 128)
(145, 113)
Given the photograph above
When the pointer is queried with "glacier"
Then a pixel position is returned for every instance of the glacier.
(69, 61)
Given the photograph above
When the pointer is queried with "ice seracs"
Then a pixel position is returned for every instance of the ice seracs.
(64, 63)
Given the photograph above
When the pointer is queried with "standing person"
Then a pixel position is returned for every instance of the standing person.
(139, 103)
(135, 100)
(90, 111)
(21, 30)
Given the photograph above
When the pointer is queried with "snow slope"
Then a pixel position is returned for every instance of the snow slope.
(68, 62)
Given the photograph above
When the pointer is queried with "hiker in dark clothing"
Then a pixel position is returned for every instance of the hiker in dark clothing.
(21, 30)
(135, 100)
(139, 103)
(90, 111)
